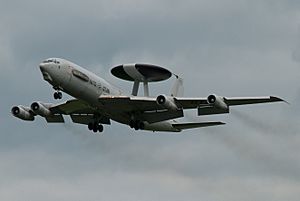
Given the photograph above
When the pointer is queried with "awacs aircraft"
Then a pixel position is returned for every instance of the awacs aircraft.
(96, 102)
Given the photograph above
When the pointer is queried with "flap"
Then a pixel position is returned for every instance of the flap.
(208, 110)
(73, 107)
(190, 103)
(86, 119)
(57, 118)
(128, 103)
(157, 116)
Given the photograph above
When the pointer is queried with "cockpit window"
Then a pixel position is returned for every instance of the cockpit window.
(51, 61)
(48, 61)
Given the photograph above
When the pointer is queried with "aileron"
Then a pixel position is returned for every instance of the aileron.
(251, 100)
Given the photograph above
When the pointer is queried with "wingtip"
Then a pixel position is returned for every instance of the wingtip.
(276, 99)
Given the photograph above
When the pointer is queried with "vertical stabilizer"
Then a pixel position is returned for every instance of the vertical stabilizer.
(177, 89)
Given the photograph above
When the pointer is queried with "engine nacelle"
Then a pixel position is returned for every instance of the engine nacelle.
(167, 102)
(217, 101)
(23, 112)
(41, 109)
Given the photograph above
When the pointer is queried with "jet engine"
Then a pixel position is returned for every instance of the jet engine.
(41, 109)
(217, 101)
(167, 102)
(23, 112)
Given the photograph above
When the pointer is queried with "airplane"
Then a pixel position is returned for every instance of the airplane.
(96, 102)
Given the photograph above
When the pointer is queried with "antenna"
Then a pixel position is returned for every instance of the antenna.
(141, 73)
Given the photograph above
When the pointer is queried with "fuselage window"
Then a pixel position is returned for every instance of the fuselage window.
(93, 83)
(105, 90)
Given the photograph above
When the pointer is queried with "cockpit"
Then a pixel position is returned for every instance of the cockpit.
(51, 61)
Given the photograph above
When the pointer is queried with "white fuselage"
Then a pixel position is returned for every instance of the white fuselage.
(77, 81)
(85, 85)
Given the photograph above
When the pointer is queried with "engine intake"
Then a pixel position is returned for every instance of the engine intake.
(23, 112)
(217, 101)
(41, 109)
(167, 102)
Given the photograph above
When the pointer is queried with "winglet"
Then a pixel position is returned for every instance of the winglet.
(177, 89)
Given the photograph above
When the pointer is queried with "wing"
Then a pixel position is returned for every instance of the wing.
(144, 108)
(206, 106)
(189, 103)
(219, 105)
(147, 108)
(79, 111)
(72, 107)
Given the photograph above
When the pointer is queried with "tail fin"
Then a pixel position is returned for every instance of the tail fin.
(177, 89)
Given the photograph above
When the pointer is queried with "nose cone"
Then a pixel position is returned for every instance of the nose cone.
(42, 66)
(45, 71)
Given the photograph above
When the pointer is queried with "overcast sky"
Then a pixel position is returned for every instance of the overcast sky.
(226, 47)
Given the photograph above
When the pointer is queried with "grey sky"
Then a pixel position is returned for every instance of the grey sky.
(227, 47)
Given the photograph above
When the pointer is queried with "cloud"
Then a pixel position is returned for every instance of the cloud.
(244, 48)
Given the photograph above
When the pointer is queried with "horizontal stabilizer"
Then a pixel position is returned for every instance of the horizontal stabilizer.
(196, 125)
